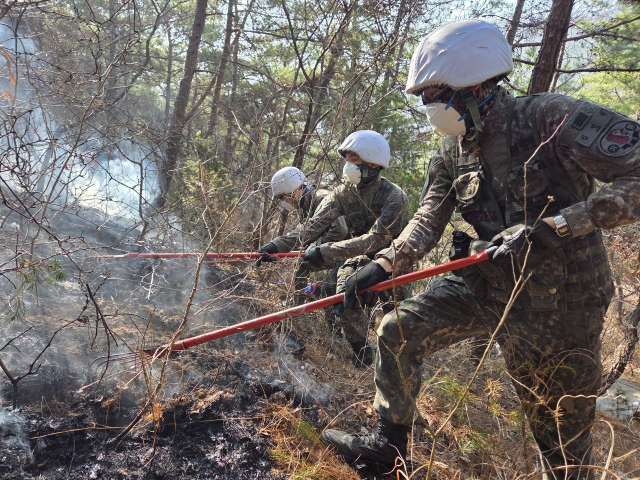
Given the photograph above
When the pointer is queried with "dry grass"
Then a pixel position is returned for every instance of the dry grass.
(487, 438)
(298, 450)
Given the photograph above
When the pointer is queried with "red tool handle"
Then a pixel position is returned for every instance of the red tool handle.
(246, 255)
(326, 302)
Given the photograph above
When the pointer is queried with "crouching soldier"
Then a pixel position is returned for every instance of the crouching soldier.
(376, 211)
(292, 190)
(521, 171)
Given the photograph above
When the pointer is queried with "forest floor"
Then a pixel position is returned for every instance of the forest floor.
(251, 406)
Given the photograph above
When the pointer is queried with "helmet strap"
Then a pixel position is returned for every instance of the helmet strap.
(367, 175)
(472, 107)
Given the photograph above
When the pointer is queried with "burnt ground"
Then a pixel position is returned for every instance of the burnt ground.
(213, 432)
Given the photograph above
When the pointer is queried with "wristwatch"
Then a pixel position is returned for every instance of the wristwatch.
(562, 227)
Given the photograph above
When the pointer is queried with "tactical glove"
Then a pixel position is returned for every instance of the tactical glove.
(364, 277)
(313, 256)
(265, 251)
(515, 241)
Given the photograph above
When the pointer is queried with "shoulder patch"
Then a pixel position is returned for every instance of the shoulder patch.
(592, 127)
(620, 138)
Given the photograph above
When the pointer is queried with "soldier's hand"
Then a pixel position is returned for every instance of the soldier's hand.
(266, 251)
(515, 241)
(313, 256)
(363, 278)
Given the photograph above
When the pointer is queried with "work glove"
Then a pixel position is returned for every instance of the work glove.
(364, 277)
(313, 256)
(514, 241)
(266, 251)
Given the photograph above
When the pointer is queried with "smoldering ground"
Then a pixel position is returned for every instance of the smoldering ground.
(206, 422)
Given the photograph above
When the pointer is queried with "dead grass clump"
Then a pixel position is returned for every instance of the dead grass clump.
(298, 451)
(625, 451)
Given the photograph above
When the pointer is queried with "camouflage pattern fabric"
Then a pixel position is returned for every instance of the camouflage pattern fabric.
(299, 237)
(551, 338)
(327, 285)
(583, 149)
(355, 323)
(375, 213)
(554, 359)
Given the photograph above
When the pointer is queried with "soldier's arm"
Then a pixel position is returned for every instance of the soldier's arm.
(308, 232)
(290, 240)
(339, 230)
(605, 145)
(427, 225)
(387, 226)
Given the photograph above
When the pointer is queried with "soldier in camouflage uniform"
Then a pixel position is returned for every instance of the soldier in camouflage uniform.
(521, 171)
(376, 211)
(292, 190)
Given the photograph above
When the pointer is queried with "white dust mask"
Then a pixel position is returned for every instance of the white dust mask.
(352, 173)
(445, 120)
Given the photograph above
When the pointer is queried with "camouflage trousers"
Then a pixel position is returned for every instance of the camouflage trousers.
(355, 323)
(553, 358)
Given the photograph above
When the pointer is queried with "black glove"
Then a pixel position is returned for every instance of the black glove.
(266, 250)
(313, 256)
(364, 277)
(515, 241)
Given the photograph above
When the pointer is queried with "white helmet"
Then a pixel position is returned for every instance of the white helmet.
(459, 54)
(370, 146)
(286, 180)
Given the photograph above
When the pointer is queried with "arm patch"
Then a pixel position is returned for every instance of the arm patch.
(621, 138)
(594, 131)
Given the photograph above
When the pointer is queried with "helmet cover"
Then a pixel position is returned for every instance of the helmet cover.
(286, 180)
(459, 54)
(370, 146)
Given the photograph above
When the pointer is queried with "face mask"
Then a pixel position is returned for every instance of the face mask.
(445, 120)
(352, 173)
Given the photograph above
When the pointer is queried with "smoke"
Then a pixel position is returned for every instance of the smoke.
(301, 381)
(94, 190)
(66, 164)
(12, 430)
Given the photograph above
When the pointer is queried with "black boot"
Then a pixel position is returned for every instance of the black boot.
(383, 446)
(362, 355)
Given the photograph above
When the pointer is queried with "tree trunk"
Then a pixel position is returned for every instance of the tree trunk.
(556, 77)
(515, 22)
(555, 33)
(113, 49)
(224, 59)
(176, 126)
(317, 91)
(167, 88)
(229, 118)
(390, 71)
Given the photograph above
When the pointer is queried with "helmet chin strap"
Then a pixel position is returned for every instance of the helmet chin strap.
(472, 107)
(368, 174)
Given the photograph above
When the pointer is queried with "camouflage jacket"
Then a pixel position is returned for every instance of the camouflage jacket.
(335, 231)
(374, 214)
(497, 179)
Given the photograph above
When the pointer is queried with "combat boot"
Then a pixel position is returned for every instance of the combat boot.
(382, 446)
